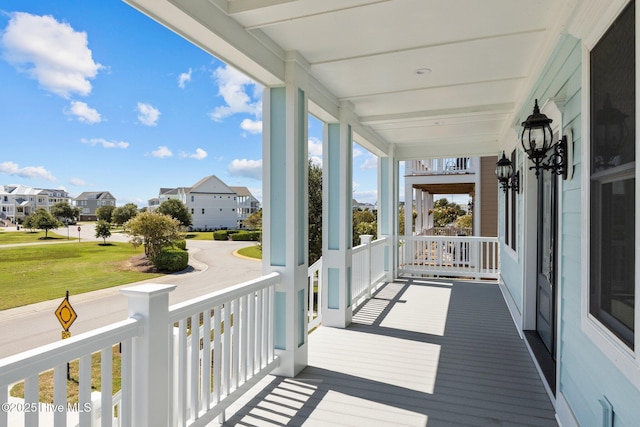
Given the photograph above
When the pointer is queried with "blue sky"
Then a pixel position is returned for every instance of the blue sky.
(95, 96)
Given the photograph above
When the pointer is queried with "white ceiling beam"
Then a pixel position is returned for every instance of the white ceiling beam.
(294, 17)
(478, 110)
(239, 6)
(467, 147)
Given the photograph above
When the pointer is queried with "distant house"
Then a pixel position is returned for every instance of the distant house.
(213, 204)
(247, 204)
(90, 201)
(18, 201)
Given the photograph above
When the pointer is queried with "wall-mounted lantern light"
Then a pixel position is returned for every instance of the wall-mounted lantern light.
(537, 140)
(506, 177)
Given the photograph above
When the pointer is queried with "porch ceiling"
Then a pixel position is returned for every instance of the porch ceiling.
(454, 188)
(482, 59)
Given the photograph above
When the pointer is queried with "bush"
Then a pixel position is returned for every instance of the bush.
(253, 236)
(172, 260)
(220, 235)
(180, 244)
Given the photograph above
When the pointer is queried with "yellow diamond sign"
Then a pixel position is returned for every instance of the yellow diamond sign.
(66, 314)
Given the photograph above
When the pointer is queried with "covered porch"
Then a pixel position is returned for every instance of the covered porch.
(420, 352)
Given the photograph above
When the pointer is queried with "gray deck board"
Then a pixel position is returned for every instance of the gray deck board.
(419, 353)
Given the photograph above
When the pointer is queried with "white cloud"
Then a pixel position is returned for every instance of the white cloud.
(357, 153)
(162, 152)
(104, 143)
(314, 146)
(246, 168)
(183, 78)
(83, 112)
(78, 182)
(51, 52)
(36, 172)
(252, 126)
(148, 114)
(198, 155)
(371, 162)
(235, 88)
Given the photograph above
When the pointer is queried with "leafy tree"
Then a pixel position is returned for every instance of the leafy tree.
(176, 209)
(65, 212)
(104, 212)
(154, 230)
(364, 222)
(445, 213)
(103, 229)
(43, 220)
(122, 214)
(464, 221)
(315, 212)
(28, 222)
(254, 221)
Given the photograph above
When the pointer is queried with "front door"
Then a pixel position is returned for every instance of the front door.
(546, 292)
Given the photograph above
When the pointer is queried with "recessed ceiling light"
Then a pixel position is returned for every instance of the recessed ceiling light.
(423, 71)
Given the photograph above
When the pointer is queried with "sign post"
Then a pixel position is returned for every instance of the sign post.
(66, 316)
(78, 234)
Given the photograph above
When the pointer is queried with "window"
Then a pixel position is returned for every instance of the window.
(612, 178)
(192, 198)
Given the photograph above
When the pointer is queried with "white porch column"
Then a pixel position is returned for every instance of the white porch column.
(150, 355)
(427, 205)
(285, 213)
(420, 210)
(388, 211)
(408, 209)
(337, 213)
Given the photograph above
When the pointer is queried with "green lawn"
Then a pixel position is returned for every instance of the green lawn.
(199, 235)
(11, 237)
(42, 272)
(251, 252)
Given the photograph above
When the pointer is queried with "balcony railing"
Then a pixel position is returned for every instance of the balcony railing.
(450, 256)
(367, 268)
(444, 166)
(217, 347)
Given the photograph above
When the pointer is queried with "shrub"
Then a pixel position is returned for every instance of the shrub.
(172, 260)
(252, 236)
(180, 244)
(220, 235)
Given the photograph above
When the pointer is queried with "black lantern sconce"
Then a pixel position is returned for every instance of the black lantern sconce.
(506, 176)
(537, 140)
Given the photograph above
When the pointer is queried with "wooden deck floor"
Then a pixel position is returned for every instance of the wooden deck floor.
(420, 353)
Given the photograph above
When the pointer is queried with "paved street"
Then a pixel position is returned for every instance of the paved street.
(212, 267)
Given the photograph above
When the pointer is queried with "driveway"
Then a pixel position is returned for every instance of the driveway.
(212, 267)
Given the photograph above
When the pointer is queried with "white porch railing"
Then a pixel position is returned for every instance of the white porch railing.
(230, 350)
(477, 257)
(29, 365)
(314, 283)
(449, 165)
(367, 268)
(207, 367)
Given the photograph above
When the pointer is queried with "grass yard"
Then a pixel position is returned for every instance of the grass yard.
(198, 235)
(251, 252)
(12, 237)
(37, 273)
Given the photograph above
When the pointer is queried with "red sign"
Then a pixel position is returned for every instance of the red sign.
(78, 228)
